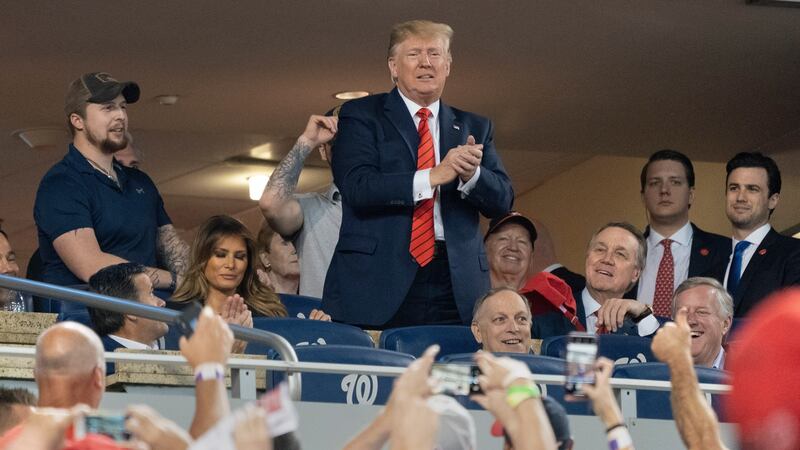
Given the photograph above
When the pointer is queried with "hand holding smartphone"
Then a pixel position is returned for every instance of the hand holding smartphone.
(581, 356)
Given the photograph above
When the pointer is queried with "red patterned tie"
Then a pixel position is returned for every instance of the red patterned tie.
(665, 282)
(422, 237)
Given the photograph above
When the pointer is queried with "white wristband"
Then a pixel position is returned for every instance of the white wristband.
(209, 371)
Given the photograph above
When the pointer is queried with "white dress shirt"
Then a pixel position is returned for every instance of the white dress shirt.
(422, 180)
(754, 239)
(681, 247)
(645, 327)
(719, 362)
(134, 345)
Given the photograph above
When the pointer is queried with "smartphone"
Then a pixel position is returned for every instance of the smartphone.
(456, 379)
(111, 424)
(581, 355)
(187, 321)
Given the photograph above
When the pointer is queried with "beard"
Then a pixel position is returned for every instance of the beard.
(106, 145)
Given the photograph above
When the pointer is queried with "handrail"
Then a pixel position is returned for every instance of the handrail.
(245, 363)
(279, 343)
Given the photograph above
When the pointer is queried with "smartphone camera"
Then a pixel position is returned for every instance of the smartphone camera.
(107, 424)
(581, 356)
(456, 379)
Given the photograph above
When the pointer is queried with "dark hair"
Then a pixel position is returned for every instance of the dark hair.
(480, 301)
(257, 296)
(669, 155)
(16, 396)
(756, 159)
(114, 281)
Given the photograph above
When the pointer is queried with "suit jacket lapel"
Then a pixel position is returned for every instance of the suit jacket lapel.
(753, 266)
(398, 115)
(700, 258)
(451, 133)
(580, 310)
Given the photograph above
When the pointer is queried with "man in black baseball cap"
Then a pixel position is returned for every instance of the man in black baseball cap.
(91, 212)
(509, 249)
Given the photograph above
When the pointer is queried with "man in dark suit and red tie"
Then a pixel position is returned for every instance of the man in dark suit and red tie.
(763, 260)
(414, 174)
(676, 248)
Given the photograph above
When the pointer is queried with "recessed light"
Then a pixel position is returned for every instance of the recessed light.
(257, 184)
(167, 100)
(349, 95)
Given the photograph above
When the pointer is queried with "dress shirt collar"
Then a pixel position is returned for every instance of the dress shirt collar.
(134, 345)
(413, 107)
(719, 363)
(590, 305)
(755, 237)
(682, 237)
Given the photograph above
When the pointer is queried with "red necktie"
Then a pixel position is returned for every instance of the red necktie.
(665, 282)
(600, 329)
(422, 237)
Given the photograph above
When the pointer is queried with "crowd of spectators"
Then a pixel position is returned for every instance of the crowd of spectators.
(393, 242)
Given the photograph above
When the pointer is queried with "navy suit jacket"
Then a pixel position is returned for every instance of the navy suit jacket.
(575, 281)
(709, 251)
(374, 161)
(775, 264)
(110, 345)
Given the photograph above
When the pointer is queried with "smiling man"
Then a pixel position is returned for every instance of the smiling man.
(763, 260)
(709, 313)
(92, 212)
(676, 248)
(501, 321)
(615, 257)
(414, 174)
(509, 245)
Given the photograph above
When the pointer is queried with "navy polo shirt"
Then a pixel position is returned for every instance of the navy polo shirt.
(125, 218)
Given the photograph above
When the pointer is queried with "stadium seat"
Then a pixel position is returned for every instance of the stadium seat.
(544, 365)
(656, 404)
(619, 348)
(300, 306)
(351, 389)
(76, 315)
(300, 332)
(414, 340)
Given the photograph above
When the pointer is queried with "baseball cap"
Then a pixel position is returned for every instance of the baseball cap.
(512, 217)
(763, 362)
(559, 422)
(98, 87)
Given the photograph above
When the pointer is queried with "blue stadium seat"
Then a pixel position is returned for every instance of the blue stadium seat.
(300, 332)
(76, 315)
(414, 340)
(300, 306)
(619, 348)
(656, 404)
(351, 389)
(544, 365)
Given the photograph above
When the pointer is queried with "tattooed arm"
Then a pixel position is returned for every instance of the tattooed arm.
(83, 256)
(172, 251)
(277, 202)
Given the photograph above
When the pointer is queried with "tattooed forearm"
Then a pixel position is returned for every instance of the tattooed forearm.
(173, 252)
(283, 181)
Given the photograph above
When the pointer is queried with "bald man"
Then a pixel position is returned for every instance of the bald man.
(70, 366)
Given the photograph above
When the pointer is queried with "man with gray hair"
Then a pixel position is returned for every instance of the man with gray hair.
(709, 314)
(615, 258)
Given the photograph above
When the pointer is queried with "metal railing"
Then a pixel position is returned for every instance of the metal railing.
(241, 385)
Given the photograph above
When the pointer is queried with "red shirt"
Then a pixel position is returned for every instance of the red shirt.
(89, 442)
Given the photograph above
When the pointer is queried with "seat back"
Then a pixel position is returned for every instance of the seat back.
(656, 404)
(351, 389)
(300, 306)
(76, 315)
(619, 348)
(545, 365)
(452, 339)
(300, 332)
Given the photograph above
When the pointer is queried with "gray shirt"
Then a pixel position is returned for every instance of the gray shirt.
(316, 240)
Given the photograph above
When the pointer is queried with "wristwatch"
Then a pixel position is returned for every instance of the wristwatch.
(648, 311)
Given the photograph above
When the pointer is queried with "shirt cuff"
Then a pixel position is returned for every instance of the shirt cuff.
(422, 185)
(648, 325)
(466, 188)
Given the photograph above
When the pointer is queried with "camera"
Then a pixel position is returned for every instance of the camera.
(581, 356)
(456, 379)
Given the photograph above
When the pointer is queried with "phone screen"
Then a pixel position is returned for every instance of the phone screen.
(456, 379)
(107, 424)
(581, 356)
